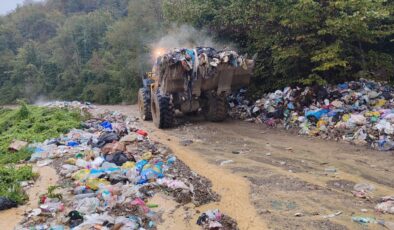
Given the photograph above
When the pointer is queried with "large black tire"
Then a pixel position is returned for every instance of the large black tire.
(144, 104)
(215, 109)
(162, 111)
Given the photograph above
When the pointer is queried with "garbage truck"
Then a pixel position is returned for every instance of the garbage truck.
(192, 81)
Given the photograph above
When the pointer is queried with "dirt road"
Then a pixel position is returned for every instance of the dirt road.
(268, 178)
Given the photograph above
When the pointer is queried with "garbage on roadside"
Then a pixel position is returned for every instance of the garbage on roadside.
(112, 169)
(6, 203)
(363, 190)
(332, 215)
(69, 104)
(214, 219)
(17, 145)
(364, 220)
(359, 112)
(386, 205)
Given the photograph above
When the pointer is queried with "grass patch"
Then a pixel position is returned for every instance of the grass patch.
(10, 178)
(30, 124)
(33, 124)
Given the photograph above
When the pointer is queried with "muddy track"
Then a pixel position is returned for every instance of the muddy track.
(272, 175)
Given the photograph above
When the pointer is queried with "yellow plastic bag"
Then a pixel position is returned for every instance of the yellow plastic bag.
(346, 117)
(321, 123)
(71, 161)
(95, 183)
(147, 156)
(372, 114)
(380, 103)
(128, 165)
(81, 175)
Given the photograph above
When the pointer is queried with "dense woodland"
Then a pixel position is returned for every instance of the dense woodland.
(97, 50)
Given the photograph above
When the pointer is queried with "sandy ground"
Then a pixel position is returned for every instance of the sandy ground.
(272, 174)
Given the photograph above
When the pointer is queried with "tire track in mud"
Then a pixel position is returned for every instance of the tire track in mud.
(234, 190)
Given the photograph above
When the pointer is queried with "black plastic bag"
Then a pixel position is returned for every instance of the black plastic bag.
(6, 203)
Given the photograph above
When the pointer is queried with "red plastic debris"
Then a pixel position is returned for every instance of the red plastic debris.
(142, 132)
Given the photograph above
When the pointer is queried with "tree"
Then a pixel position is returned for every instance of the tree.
(299, 40)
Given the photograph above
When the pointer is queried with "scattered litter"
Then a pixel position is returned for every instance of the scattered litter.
(226, 162)
(214, 219)
(44, 163)
(330, 170)
(186, 142)
(364, 188)
(386, 205)
(17, 145)
(364, 220)
(6, 203)
(332, 215)
(34, 212)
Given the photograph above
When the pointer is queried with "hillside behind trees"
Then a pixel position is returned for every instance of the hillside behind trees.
(97, 50)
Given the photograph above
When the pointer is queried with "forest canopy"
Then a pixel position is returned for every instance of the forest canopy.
(97, 51)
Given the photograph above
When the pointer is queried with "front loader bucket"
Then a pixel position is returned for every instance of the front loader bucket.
(172, 79)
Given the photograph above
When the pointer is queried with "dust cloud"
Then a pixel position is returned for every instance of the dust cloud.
(184, 36)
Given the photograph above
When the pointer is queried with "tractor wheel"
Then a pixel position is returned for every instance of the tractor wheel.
(144, 104)
(162, 111)
(216, 108)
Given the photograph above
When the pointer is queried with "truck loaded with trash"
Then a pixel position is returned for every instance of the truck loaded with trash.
(197, 115)
(192, 80)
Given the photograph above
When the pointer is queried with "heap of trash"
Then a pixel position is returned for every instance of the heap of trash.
(204, 60)
(360, 112)
(84, 106)
(109, 170)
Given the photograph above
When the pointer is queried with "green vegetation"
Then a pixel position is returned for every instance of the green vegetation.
(88, 50)
(301, 40)
(10, 178)
(98, 50)
(33, 124)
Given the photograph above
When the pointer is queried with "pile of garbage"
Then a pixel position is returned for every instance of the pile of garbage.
(214, 219)
(360, 112)
(109, 170)
(203, 60)
(83, 106)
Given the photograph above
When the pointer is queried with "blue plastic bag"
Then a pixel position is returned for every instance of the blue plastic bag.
(106, 125)
(72, 143)
(317, 113)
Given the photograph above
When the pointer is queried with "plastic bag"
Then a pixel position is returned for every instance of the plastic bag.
(87, 205)
(6, 203)
(95, 183)
(81, 175)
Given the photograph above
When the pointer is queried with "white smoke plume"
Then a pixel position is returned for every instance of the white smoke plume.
(184, 36)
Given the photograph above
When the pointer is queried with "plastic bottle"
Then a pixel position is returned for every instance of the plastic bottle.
(79, 190)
